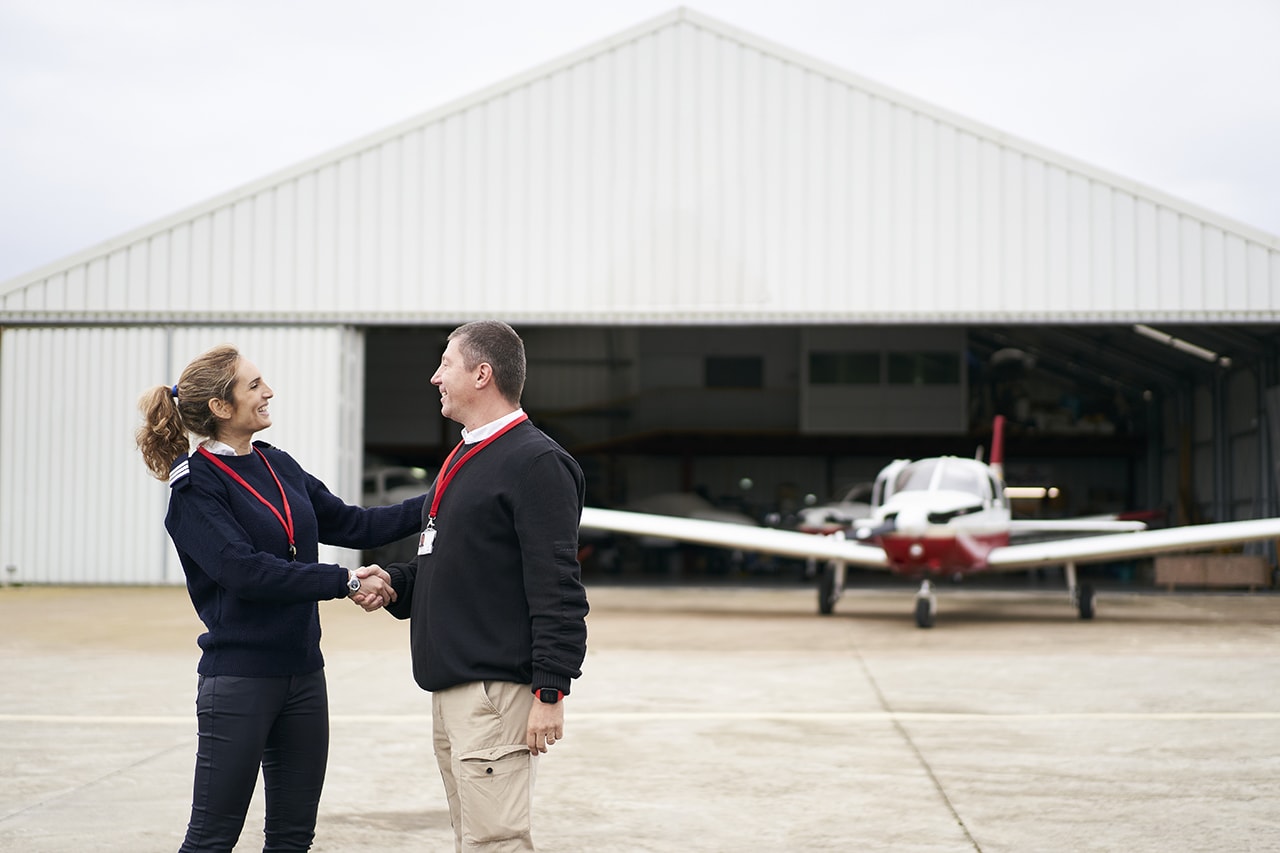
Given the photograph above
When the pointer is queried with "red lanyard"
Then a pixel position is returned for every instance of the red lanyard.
(446, 473)
(287, 525)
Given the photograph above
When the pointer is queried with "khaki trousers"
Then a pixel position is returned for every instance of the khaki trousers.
(488, 772)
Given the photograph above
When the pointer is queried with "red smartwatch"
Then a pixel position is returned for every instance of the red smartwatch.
(550, 695)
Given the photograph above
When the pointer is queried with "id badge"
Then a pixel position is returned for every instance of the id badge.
(426, 540)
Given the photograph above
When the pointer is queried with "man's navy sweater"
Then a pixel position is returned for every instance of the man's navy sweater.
(259, 606)
(500, 596)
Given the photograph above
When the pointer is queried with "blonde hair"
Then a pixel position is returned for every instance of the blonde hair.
(170, 415)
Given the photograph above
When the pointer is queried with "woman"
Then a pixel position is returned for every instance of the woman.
(247, 521)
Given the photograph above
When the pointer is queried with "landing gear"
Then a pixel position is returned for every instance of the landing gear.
(926, 605)
(830, 585)
(1085, 601)
(1082, 596)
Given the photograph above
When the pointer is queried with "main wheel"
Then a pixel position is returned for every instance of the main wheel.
(827, 590)
(1088, 598)
(924, 612)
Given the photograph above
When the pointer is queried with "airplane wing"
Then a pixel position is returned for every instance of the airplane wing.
(1074, 525)
(767, 540)
(1118, 546)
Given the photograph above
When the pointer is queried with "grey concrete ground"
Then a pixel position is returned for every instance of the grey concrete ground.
(707, 720)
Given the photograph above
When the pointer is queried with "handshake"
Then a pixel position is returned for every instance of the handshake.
(375, 588)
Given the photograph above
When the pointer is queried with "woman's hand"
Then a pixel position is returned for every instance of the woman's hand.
(375, 588)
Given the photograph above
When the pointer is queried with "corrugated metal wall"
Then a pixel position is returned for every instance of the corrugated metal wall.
(75, 501)
(77, 505)
(681, 172)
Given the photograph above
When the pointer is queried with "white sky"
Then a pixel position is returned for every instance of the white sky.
(115, 114)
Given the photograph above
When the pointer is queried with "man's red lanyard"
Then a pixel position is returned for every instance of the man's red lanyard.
(286, 520)
(446, 473)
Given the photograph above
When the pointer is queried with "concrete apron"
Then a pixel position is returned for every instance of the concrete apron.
(729, 719)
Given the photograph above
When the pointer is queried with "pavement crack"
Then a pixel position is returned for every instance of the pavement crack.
(915, 750)
(83, 786)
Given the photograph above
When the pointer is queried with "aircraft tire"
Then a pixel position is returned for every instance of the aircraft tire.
(924, 612)
(826, 590)
(1088, 598)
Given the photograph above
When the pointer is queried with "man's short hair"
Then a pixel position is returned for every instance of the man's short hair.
(496, 343)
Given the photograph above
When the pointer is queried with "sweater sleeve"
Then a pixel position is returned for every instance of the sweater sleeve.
(203, 528)
(361, 527)
(404, 577)
(547, 514)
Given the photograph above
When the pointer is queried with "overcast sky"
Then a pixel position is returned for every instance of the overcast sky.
(115, 114)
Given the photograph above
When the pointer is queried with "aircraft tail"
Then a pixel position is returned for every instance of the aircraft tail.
(997, 447)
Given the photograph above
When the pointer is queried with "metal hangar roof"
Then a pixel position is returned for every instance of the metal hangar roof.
(682, 171)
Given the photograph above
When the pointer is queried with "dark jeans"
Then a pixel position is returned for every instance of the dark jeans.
(278, 724)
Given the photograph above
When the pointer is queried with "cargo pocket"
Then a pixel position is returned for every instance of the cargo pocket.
(493, 793)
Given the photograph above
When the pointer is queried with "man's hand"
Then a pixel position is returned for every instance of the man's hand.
(375, 588)
(546, 725)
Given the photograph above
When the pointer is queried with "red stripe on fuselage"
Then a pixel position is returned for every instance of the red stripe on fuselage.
(941, 555)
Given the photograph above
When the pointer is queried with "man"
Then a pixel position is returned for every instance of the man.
(495, 597)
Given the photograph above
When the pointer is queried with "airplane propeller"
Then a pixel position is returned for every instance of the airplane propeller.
(863, 533)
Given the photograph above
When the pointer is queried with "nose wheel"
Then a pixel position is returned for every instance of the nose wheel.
(926, 606)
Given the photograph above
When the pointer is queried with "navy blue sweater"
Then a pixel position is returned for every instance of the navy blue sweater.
(500, 596)
(259, 606)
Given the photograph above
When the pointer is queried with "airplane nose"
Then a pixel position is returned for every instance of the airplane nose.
(912, 524)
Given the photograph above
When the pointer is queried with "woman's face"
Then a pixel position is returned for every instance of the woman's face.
(250, 397)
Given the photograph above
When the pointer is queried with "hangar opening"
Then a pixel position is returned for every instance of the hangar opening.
(759, 422)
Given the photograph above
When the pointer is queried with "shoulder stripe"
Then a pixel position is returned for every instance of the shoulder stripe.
(179, 471)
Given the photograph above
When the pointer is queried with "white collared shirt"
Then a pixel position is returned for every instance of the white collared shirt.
(217, 447)
(482, 432)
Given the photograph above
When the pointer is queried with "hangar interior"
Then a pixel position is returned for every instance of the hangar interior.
(764, 420)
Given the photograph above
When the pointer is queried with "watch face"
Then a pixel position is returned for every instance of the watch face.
(549, 695)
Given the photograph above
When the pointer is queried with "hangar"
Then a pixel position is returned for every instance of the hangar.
(737, 269)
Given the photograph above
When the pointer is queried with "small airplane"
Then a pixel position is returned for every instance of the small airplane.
(939, 517)
(852, 507)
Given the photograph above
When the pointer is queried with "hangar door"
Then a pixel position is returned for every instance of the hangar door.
(77, 506)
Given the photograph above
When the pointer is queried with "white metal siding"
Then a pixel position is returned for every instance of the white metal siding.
(681, 172)
(75, 501)
(77, 505)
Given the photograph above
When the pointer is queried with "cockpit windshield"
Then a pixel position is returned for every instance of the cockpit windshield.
(916, 477)
(964, 478)
(958, 475)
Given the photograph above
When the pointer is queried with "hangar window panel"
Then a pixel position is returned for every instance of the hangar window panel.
(844, 368)
(924, 368)
(734, 371)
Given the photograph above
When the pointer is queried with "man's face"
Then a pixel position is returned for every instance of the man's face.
(456, 383)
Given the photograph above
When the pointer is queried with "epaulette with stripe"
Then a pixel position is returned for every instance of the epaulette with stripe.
(180, 472)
